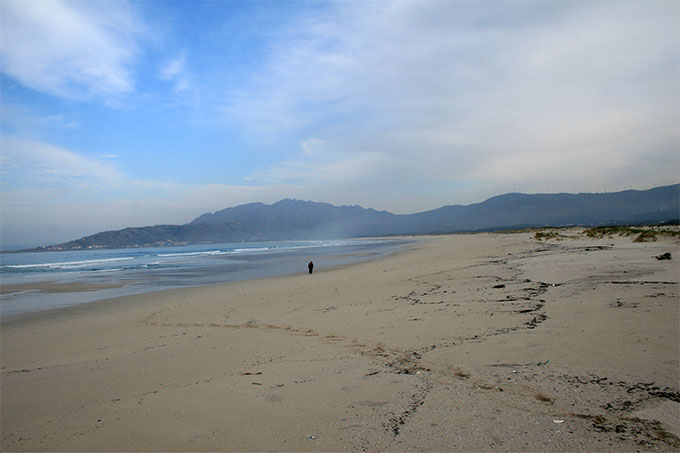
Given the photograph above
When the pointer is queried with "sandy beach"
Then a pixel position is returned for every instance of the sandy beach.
(485, 342)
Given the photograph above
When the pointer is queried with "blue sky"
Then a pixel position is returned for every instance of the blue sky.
(118, 114)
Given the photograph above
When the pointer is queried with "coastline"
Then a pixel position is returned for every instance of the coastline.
(85, 278)
(464, 342)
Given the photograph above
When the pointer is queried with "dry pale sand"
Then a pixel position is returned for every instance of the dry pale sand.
(488, 342)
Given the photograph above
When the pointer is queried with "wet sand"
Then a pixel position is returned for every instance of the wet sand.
(487, 342)
(56, 287)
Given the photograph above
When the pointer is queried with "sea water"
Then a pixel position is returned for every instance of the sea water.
(147, 269)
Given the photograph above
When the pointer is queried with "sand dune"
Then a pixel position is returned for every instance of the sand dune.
(487, 342)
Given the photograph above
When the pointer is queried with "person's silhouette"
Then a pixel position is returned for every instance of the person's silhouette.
(310, 266)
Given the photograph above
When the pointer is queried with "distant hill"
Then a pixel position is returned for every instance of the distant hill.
(295, 219)
(516, 210)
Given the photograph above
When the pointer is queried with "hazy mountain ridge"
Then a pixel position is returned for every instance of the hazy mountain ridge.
(515, 210)
(295, 219)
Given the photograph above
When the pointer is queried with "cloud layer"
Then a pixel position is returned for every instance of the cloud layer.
(522, 95)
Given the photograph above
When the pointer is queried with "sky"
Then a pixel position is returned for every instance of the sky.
(117, 114)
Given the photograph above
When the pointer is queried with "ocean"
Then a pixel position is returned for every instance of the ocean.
(147, 269)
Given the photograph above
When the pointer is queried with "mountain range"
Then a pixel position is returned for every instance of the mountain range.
(296, 219)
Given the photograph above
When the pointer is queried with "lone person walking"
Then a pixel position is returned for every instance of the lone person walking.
(310, 266)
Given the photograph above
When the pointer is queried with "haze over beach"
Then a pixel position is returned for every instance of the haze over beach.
(196, 199)
(118, 114)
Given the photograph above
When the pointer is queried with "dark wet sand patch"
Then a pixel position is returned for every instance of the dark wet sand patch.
(55, 287)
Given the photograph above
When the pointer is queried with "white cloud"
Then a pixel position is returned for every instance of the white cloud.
(174, 70)
(37, 163)
(313, 146)
(173, 67)
(69, 49)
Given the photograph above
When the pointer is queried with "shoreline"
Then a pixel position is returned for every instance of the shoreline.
(86, 289)
(463, 342)
(135, 298)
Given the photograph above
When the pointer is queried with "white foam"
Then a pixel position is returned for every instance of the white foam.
(67, 264)
(206, 253)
